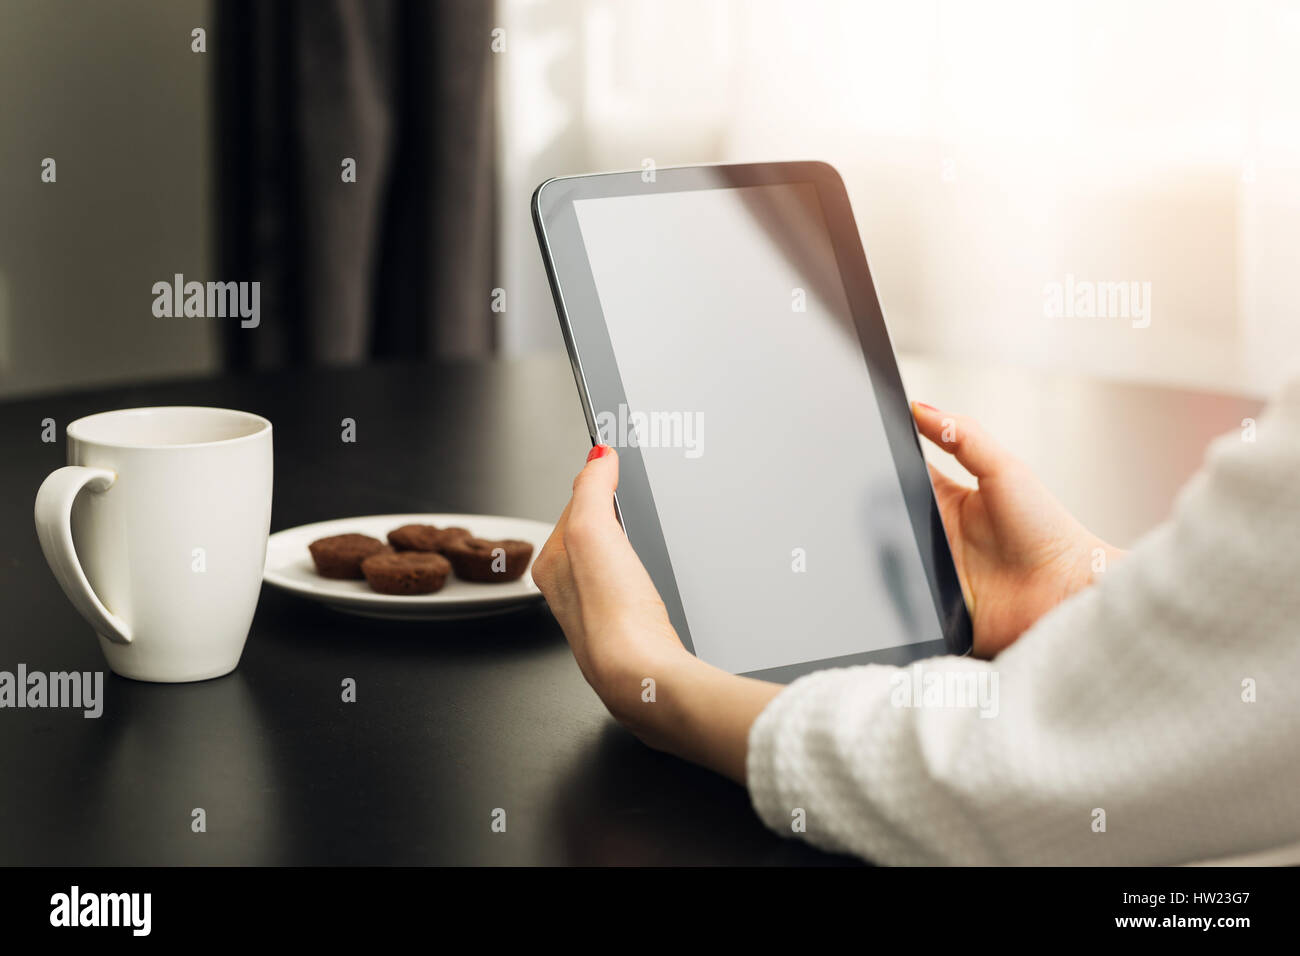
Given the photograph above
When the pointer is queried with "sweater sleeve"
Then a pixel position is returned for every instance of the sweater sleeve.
(1150, 719)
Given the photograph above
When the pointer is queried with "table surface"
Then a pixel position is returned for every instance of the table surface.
(452, 720)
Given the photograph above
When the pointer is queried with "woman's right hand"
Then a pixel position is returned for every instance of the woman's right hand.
(1018, 552)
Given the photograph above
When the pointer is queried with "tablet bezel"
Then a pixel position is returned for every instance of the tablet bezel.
(600, 386)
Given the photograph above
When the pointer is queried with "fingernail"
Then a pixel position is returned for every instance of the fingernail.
(597, 452)
(928, 408)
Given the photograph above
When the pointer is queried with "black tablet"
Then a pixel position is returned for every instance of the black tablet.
(726, 337)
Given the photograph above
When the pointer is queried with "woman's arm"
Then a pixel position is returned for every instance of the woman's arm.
(698, 712)
(1151, 719)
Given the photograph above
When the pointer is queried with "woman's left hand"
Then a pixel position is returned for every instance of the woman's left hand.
(626, 647)
(601, 594)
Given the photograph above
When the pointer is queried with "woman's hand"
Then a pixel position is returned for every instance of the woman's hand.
(627, 649)
(600, 592)
(1018, 552)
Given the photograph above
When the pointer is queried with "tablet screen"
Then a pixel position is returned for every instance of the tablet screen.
(751, 403)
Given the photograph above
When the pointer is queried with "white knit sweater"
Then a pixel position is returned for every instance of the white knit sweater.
(1129, 705)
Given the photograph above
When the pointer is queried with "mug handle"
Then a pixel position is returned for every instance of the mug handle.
(54, 529)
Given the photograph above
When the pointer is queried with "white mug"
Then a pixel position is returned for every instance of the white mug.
(157, 529)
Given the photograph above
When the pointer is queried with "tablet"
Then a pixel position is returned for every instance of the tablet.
(726, 337)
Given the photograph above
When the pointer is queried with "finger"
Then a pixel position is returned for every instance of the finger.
(605, 568)
(962, 437)
(552, 555)
(555, 540)
(553, 576)
(944, 487)
(592, 507)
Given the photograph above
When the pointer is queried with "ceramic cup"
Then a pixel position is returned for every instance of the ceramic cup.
(157, 529)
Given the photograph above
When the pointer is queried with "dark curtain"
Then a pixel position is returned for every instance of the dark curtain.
(400, 262)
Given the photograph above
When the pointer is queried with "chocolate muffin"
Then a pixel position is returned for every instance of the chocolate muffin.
(406, 572)
(448, 537)
(415, 537)
(478, 559)
(424, 537)
(340, 555)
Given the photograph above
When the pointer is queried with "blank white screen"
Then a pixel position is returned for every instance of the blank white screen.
(701, 294)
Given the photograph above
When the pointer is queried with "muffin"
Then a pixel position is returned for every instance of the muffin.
(406, 572)
(480, 559)
(340, 555)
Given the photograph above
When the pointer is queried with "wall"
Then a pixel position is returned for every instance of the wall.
(113, 93)
(991, 150)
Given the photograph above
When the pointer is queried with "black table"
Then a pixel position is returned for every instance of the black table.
(452, 720)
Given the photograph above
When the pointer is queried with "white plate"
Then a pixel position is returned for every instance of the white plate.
(289, 566)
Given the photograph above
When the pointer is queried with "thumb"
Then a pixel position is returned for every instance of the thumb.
(964, 438)
(592, 508)
(605, 568)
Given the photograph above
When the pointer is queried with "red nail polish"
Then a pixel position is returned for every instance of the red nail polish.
(597, 452)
